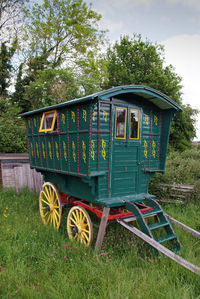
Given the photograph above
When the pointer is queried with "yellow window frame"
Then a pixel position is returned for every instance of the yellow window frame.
(53, 122)
(138, 130)
(118, 108)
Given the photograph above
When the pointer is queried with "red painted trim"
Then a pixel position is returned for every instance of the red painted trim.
(58, 123)
(117, 213)
(150, 139)
(33, 142)
(46, 151)
(68, 141)
(90, 132)
(39, 144)
(29, 150)
(98, 132)
(158, 153)
(53, 152)
(78, 139)
(110, 126)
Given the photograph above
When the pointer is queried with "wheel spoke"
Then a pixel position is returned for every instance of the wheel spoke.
(46, 188)
(55, 222)
(45, 214)
(45, 195)
(72, 220)
(56, 207)
(86, 237)
(57, 216)
(48, 218)
(85, 230)
(73, 215)
(77, 215)
(45, 201)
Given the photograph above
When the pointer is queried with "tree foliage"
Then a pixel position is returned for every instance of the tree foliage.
(12, 129)
(6, 54)
(60, 31)
(134, 61)
(50, 87)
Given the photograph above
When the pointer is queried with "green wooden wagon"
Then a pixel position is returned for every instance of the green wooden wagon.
(97, 154)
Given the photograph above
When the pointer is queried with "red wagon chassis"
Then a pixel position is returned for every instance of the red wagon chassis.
(115, 213)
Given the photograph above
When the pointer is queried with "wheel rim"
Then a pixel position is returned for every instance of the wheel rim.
(79, 226)
(50, 205)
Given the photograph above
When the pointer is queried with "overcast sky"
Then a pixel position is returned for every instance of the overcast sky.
(173, 23)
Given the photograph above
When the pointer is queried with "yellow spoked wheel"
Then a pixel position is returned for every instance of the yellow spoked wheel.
(50, 205)
(79, 226)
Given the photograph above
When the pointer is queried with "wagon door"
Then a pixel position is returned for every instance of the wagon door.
(126, 151)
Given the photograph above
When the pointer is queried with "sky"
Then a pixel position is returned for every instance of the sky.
(172, 23)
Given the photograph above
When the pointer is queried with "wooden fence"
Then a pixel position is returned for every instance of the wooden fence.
(176, 193)
(15, 173)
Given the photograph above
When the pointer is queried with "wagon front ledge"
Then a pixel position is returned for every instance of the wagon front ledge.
(152, 170)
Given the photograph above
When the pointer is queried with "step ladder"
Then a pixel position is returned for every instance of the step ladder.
(154, 223)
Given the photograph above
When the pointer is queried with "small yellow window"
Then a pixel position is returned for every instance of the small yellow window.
(134, 125)
(120, 123)
(48, 122)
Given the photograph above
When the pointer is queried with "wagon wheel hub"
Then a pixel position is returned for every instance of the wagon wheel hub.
(51, 207)
(74, 230)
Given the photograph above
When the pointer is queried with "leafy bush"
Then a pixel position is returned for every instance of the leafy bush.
(181, 168)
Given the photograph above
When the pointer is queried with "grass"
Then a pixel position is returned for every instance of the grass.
(38, 262)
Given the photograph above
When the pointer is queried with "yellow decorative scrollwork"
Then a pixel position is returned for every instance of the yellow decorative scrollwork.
(92, 150)
(154, 149)
(50, 152)
(32, 153)
(34, 120)
(103, 151)
(65, 150)
(84, 115)
(155, 119)
(57, 151)
(73, 151)
(43, 150)
(63, 118)
(145, 149)
(93, 116)
(29, 123)
(73, 116)
(84, 151)
(37, 149)
(146, 119)
(105, 115)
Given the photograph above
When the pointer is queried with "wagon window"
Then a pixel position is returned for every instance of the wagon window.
(120, 123)
(134, 124)
(48, 121)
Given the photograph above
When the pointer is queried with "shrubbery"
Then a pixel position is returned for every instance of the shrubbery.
(181, 168)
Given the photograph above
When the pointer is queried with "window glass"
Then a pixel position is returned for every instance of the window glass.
(134, 124)
(120, 123)
(48, 122)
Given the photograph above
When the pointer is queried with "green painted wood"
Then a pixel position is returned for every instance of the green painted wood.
(84, 153)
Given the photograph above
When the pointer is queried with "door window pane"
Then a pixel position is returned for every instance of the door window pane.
(120, 123)
(134, 124)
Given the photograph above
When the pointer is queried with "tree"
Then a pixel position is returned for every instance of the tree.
(50, 87)
(134, 61)
(12, 129)
(6, 54)
(60, 31)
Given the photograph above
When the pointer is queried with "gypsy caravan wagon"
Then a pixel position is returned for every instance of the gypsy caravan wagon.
(97, 154)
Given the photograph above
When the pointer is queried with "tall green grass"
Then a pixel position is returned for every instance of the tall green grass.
(38, 262)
